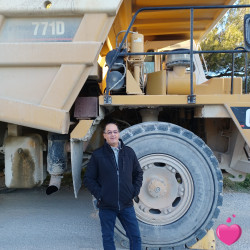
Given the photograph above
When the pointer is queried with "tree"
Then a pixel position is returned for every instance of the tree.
(226, 35)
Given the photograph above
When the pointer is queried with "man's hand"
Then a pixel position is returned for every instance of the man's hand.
(96, 202)
(136, 199)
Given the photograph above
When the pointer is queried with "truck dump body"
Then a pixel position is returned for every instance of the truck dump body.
(164, 28)
(47, 53)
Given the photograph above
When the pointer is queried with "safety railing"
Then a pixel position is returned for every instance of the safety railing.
(191, 98)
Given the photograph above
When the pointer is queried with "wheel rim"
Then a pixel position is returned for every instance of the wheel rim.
(167, 190)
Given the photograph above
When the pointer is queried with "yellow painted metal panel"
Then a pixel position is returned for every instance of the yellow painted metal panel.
(48, 53)
(212, 86)
(101, 22)
(204, 20)
(76, 89)
(26, 84)
(62, 85)
(207, 242)
(178, 81)
(132, 87)
(219, 86)
(81, 129)
(69, 7)
(157, 83)
(33, 116)
(221, 99)
(167, 100)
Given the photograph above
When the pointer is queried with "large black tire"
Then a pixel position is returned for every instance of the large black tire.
(188, 164)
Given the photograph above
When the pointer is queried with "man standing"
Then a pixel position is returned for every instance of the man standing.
(114, 177)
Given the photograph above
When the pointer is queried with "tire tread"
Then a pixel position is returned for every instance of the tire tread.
(180, 132)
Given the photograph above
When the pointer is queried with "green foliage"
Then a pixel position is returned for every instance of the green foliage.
(244, 186)
(227, 35)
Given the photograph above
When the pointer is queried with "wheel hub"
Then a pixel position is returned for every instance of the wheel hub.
(157, 188)
(166, 192)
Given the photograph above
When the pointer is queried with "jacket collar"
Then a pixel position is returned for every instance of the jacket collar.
(109, 147)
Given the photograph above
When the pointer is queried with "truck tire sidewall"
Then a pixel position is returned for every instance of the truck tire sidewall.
(164, 138)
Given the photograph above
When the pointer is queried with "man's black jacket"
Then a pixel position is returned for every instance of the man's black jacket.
(113, 186)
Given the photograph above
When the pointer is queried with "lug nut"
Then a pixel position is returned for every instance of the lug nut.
(173, 171)
(165, 211)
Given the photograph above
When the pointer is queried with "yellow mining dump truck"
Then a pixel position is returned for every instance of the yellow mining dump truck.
(66, 67)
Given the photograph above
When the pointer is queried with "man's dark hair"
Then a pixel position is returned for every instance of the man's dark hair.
(110, 122)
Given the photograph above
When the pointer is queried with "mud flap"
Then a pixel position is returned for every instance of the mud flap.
(78, 137)
(76, 163)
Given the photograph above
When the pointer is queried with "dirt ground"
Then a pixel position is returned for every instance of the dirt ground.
(32, 220)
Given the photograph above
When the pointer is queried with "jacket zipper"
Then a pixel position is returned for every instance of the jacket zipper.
(117, 172)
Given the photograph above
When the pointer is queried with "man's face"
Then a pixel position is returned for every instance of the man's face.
(112, 135)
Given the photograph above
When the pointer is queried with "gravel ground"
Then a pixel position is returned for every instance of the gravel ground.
(239, 205)
(31, 220)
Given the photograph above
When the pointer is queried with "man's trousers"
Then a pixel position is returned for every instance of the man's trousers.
(129, 222)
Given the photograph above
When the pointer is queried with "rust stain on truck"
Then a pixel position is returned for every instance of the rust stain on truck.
(23, 168)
